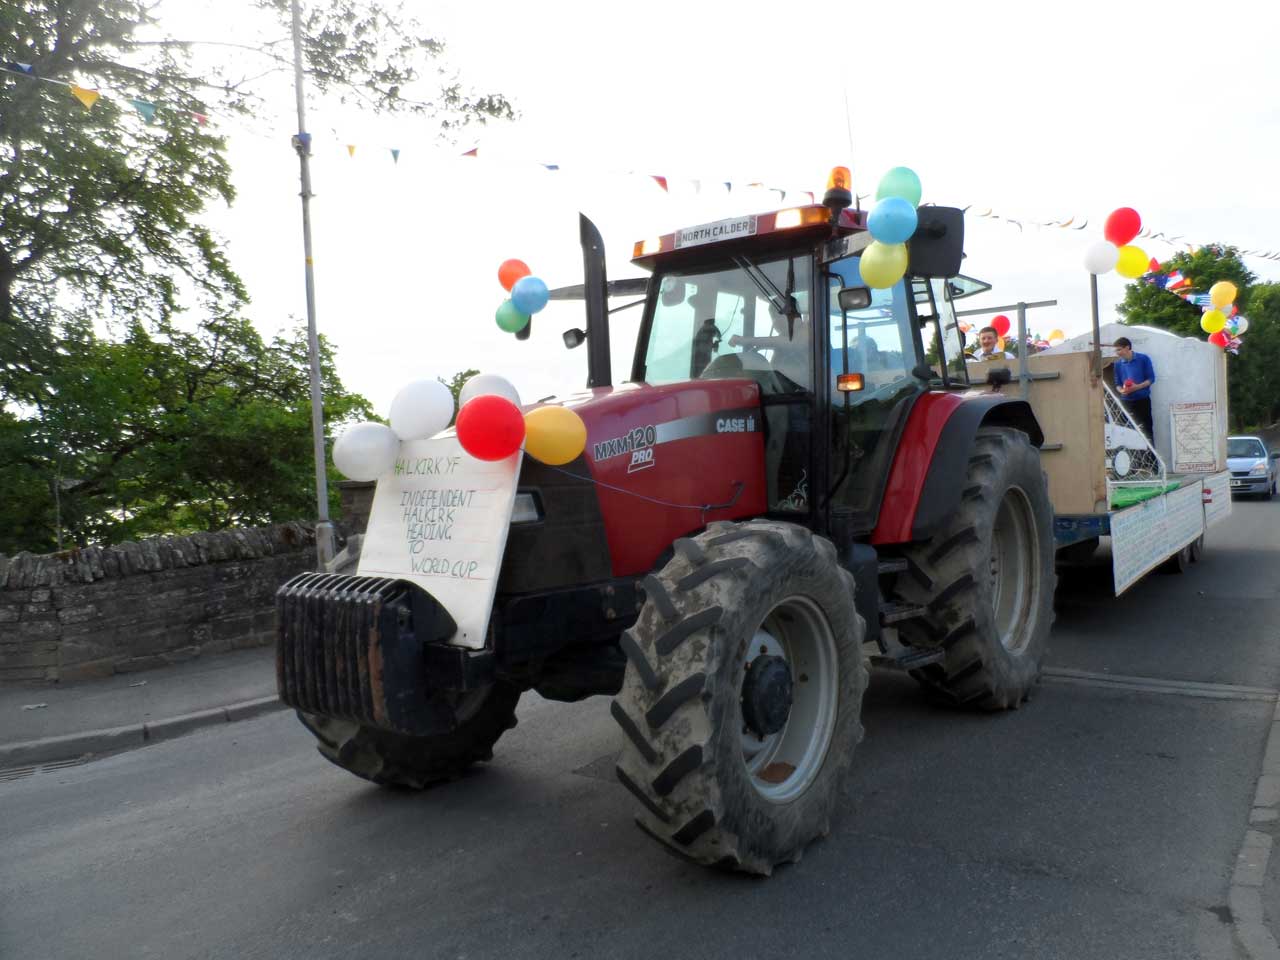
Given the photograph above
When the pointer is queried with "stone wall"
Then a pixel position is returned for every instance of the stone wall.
(98, 611)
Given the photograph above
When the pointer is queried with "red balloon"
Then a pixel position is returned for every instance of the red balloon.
(1128, 383)
(1123, 224)
(1218, 339)
(490, 427)
(511, 271)
(1000, 324)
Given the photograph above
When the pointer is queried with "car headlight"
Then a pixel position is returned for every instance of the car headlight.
(1259, 469)
(525, 509)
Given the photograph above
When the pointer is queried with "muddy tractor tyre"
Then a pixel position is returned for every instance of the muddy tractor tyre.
(987, 580)
(741, 703)
(395, 760)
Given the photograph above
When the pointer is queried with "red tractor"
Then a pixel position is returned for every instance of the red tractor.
(796, 473)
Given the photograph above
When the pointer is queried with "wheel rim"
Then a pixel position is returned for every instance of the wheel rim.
(1015, 589)
(782, 765)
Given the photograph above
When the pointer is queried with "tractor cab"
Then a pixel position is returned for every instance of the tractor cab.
(778, 299)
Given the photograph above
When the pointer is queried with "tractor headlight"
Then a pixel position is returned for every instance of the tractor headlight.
(525, 509)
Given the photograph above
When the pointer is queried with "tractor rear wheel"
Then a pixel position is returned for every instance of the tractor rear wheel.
(395, 760)
(987, 579)
(741, 701)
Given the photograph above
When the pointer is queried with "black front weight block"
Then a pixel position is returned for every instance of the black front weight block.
(372, 650)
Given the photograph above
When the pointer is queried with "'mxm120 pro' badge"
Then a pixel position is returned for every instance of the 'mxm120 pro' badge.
(636, 439)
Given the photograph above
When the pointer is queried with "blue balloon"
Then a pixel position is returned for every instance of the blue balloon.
(529, 295)
(892, 220)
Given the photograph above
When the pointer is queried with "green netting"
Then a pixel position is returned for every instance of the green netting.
(1122, 497)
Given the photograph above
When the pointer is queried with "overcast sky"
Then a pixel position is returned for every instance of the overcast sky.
(1035, 111)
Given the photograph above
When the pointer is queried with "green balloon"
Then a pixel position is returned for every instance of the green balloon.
(900, 182)
(510, 319)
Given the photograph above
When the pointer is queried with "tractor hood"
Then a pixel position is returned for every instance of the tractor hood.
(660, 462)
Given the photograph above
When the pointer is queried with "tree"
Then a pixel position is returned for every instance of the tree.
(1253, 377)
(164, 431)
(125, 358)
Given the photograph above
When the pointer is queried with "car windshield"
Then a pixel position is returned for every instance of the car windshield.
(1245, 447)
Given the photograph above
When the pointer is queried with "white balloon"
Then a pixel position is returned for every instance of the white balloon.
(421, 409)
(1101, 257)
(1241, 325)
(483, 384)
(366, 451)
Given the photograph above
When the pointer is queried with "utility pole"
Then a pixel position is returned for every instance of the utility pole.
(325, 546)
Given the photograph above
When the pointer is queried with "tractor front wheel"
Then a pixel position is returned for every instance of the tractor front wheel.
(987, 579)
(741, 701)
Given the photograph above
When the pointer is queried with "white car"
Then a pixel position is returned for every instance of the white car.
(1252, 466)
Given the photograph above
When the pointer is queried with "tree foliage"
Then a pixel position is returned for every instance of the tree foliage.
(134, 395)
(1253, 376)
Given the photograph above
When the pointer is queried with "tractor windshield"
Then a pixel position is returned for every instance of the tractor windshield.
(740, 319)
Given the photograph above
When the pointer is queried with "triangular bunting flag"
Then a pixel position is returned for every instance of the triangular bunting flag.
(351, 149)
(697, 186)
(551, 166)
(660, 181)
(728, 186)
(200, 118)
(148, 110)
(24, 67)
(809, 194)
(86, 97)
(395, 154)
(473, 152)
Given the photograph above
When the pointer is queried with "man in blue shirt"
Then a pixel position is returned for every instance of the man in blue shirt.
(1134, 377)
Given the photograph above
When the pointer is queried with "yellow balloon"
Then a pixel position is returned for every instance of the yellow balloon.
(1132, 262)
(1055, 335)
(883, 264)
(1222, 293)
(554, 435)
(1212, 321)
(999, 343)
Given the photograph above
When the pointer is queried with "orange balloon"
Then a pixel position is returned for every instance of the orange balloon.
(511, 271)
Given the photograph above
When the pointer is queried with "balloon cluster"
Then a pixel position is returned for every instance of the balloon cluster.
(891, 223)
(1221, 318)
(528, 295)
(490, 426)
(1116, 252)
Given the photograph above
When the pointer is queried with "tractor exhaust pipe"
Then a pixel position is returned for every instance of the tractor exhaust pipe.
(596, 294)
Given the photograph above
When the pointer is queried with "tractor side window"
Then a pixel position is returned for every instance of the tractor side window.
(940, 330)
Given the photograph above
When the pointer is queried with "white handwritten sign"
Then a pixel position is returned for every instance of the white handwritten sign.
(440, 520)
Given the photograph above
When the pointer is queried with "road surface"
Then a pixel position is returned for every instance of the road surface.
(1101, 820)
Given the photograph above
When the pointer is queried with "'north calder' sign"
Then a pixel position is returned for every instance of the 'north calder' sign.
(712, 232)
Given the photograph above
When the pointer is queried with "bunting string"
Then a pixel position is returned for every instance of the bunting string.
(147, 111)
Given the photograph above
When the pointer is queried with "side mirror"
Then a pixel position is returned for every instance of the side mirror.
(854, 298)
(574, 338)
(1275, 455)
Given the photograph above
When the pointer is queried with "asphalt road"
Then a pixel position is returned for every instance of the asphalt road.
(1101, 820)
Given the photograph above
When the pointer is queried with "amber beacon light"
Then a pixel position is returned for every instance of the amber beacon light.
(838, 195)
